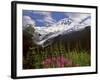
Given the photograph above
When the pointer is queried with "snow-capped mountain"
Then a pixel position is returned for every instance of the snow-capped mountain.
(43, 36)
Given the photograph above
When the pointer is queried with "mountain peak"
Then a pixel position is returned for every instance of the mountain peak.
(65, 21)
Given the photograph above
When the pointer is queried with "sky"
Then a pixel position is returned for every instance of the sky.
(47, 18)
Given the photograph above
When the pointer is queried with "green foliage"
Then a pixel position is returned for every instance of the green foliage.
(81, 58)
(29, 29)
(78, 56)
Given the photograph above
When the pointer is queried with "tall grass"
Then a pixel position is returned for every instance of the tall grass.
(36, 56)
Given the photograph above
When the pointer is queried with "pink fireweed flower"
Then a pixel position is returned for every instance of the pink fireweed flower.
(48, 60)
(58, 61)
(53, 58)
(59, 64)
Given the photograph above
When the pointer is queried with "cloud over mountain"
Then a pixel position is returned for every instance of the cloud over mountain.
(47, 17)
(27, 20)
(77, 16)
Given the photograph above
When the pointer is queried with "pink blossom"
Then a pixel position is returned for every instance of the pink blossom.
(59, 61)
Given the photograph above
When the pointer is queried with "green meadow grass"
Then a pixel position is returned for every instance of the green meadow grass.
(35, 56)
(81, 58)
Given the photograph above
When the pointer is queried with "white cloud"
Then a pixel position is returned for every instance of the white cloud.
(42, 13)
(27, 20)
(77, 16)
(47, 17)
